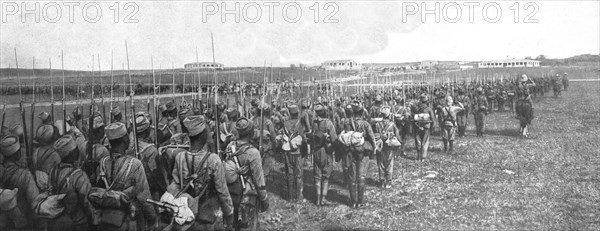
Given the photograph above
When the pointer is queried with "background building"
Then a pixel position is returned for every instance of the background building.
(509, 63)
(203, 65)
(347, 64)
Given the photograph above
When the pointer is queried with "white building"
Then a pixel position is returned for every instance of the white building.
(346, 64)
(203, 65)
(509, 63)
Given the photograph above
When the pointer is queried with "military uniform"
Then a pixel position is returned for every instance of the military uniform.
(13, 177)
(449, 112)
(462, 116)
(422, 130)
(480, 110)
(323, 135)
(126, 174)
(357, 160)
(385, 159)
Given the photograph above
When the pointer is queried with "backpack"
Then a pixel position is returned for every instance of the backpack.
(8, 199)
(106, 198)
(357, 139)
(50, 203)
(199, 181)
(390, 137)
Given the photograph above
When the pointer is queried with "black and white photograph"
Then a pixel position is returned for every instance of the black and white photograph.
(185, 115)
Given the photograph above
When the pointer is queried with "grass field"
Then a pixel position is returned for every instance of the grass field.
(498, 182)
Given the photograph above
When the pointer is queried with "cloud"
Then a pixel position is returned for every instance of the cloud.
(171, 31)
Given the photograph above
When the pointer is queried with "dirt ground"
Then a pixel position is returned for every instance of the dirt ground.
(498, 182)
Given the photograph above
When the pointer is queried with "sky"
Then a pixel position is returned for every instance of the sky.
(162, 34)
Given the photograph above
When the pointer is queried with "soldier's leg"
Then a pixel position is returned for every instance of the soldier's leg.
(290, 176)
(482, 123)
(363, 166)
(327, 171)
(389, 166)
(298, 174)
(425, 141)
(352, 179)
(418, 140)
(451, 135)
(317, 172)
(380, 167)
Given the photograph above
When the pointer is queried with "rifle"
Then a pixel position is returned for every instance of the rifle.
(30, 151)
(102, 92)
(64, 106)
(125, 99)
(51, 90)
(262, 118)
(173, 84)
(112, 84)
(3, 112)
(198, 73)
(135, 141)
(217, 123)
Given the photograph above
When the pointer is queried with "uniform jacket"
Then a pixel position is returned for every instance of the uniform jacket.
(218, 190)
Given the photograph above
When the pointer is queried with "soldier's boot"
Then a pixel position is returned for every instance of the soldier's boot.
(291, 190)
(299, 191)
(445, 146)
(451, 146)
(361, 193)
(318, 189)
(352, 192)
(324, 201)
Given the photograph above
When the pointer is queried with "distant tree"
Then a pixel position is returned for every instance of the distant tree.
(528, 57)
(541, 57)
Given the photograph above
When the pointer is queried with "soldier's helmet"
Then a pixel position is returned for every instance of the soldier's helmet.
(9, 145)
(378, 98)
(479, 89)
(320, 109)
(245, 127)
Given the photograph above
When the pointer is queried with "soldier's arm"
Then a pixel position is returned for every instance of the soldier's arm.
(82, 184)
(27, 183)
(370, 134)
(332, 131)
(255, 163)
(141, 191)
(221, 185)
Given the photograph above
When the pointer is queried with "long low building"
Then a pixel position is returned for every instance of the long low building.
(203, 65)
(509, 63)
(346, 64)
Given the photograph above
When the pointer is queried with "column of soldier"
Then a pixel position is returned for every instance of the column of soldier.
(195, 165)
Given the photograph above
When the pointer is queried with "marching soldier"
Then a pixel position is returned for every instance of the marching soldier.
(125, 174)
(44, 156)
(150, 158)
(565, 81)
(68, 179)
(358, 157)
(323, 135)
(199, 167)
(290, 131)
(387, 131)
(268, 139)
(480, 110)
(251, 198)
(401, 115)
(422, 124)
(461, 117)
(17, 177)
(449, 113)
